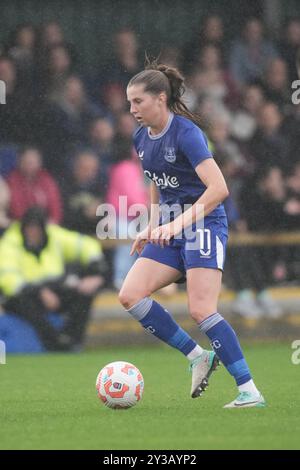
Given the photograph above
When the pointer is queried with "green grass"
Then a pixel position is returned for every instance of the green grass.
(49, 402)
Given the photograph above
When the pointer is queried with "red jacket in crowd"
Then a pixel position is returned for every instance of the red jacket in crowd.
(41, 191)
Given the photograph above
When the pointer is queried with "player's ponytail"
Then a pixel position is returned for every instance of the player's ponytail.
(159, 77)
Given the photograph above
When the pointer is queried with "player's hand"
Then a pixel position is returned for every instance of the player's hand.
(162, 235)
(140, 241)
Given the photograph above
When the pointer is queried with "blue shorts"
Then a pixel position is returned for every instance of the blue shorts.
(206, 249)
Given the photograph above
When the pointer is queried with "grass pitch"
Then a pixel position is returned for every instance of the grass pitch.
(50, 402)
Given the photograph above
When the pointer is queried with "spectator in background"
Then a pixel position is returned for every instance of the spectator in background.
(66, 122)
(123, 63)
(8, 73)
(210, 78)
(270, 144)
(126, 62)
(101, 137)
(265, 207)
(4, 205)
(206, 107)
(52, 35)
(56, 59)
(231, 161)
(276, 84)
(294, 121)
(18, 116)
(171, 56)
(213, 30)
(293, 209)
(210, 33)
(83, 191)
(244, 119)
(290, 45)
(293, 188)
(30, 184)
(22, 49)
(125, 179)
(249, 56)
(227, 154)
(263, 201)
(114, 99)
(126, 125)
(58, 68)
(34, 258)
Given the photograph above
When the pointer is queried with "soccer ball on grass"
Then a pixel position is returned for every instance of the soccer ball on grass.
(120, 385)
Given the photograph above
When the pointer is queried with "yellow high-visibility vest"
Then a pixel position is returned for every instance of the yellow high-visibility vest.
(19, 267)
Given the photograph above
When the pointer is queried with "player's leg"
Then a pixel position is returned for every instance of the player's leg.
(203, 285)
(146, 277)
(202, 366)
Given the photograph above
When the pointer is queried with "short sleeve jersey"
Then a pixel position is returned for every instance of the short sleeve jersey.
(170, 158)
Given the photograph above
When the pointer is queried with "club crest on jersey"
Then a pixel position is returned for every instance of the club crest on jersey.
(170, 155)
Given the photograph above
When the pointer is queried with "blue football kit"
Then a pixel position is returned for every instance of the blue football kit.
(169, 159)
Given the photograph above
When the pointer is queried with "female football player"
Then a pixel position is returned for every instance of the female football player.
(189, 238)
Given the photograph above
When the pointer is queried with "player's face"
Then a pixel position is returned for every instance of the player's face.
(145, 107)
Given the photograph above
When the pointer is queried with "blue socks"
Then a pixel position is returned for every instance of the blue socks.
(227, 347)
(157, 320)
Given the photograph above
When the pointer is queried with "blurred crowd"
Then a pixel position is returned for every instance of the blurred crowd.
(65, 135)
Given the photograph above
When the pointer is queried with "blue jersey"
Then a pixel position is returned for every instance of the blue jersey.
(170, 158)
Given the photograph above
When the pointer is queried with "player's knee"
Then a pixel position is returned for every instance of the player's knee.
(124, 298)
(200, 311)
(130, 298)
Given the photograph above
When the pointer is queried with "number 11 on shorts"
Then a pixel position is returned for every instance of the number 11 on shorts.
(205, 241)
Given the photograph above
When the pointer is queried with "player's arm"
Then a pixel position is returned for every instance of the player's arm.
(144, 236)
(216, 187)
(216, 191)
(154, 208)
